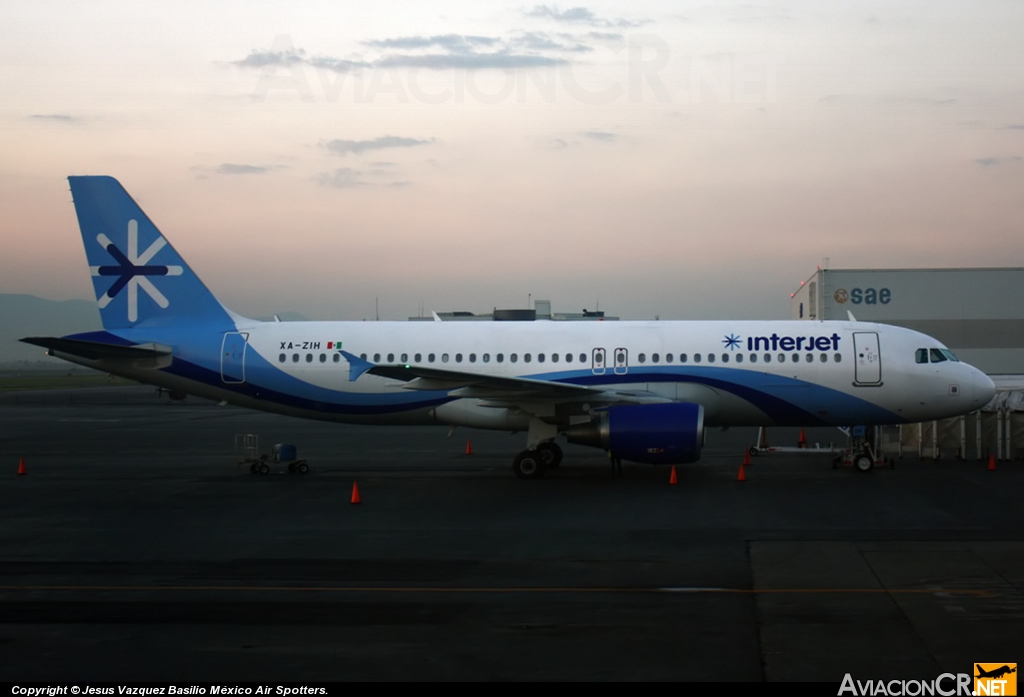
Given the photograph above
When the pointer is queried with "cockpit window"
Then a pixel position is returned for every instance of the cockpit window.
(949, 354)
(937, 356)
(922, 355)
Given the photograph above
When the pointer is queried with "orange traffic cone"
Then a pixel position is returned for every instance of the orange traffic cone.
(742, 476)
(802, 443)
(746, 459)
(991, 463)
(469, 447)
(672, 479)
(355, 493)
(21, 466)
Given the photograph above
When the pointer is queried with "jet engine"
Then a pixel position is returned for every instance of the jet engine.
(659, 434)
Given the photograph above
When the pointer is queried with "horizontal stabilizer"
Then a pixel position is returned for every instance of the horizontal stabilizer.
(94, 350)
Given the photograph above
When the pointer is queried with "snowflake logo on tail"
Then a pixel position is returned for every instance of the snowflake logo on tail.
(133, 271)
(731, 342)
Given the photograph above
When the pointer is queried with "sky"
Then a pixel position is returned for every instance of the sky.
(681, 160)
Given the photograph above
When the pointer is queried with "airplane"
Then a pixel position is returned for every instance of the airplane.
(644, 391)
(995, 672)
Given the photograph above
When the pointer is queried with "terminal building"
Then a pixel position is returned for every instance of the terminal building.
(541, 310)
(977, 313)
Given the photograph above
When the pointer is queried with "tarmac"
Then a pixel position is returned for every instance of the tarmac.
(137, 548)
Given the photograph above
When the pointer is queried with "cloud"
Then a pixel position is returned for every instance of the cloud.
(578, 15)
(602, 136)
(357, 147)
(541, 41)
(232, 168)
(342, 178)
(64, 118)
(523, 49)
(348, 178)
(469, 61)
(450, 42)
(995, 161)
(262, 59)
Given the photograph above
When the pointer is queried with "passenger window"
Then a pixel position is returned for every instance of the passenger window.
(363, 356)
(642, 358)
(682, 358)
(526, 357)
(430, 358)
(937, 356)
(540, 357)
(295, 358)
(391, 358)
(824, 358)
(323, 357)
(418, 357)
(486, 358)
(472, 358)
(583, 358)
(711, 358)
(782, 358)
(753, 358)
(696, 358)
(655, 358)
(922, 355)
(282, 358)
(458, 358)
(739, 357)
(444, 357)
(309, 358)
(500, 357)
(568, 358)
(376, 358)
(337, 357)
(810, 357)
(513, 358)
(554, 358)
(725, 358)
(668, 357)
(839, 358)
(405, 358)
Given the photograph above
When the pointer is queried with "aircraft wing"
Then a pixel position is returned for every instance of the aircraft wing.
(467, 384)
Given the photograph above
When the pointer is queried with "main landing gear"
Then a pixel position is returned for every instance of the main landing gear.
(534, 464)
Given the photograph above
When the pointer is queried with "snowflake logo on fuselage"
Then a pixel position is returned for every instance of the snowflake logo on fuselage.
(731, 342)
(133, 271)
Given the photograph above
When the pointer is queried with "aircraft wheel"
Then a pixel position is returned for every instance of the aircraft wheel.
(528, 465)
(863, 462)
(753, 451)
(551, 454)
(303, 468)
(264, 468)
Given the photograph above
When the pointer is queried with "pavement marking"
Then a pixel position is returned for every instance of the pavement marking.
(982, 593)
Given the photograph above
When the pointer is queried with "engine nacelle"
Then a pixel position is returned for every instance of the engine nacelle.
(659, 434)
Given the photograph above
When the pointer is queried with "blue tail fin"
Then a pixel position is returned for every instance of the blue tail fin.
(138, 277)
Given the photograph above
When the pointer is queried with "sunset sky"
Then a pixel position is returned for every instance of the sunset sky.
(686, 160)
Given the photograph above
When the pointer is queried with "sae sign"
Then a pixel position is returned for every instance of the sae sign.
(865, 296)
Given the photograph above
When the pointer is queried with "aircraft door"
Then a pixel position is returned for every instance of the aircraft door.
(232, 358)
(868, 359)
(621, 361)
(597, 364)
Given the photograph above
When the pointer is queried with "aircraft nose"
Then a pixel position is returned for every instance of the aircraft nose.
(984, 389)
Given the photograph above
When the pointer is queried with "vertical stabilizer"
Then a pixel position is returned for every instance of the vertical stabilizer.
(139, 278)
